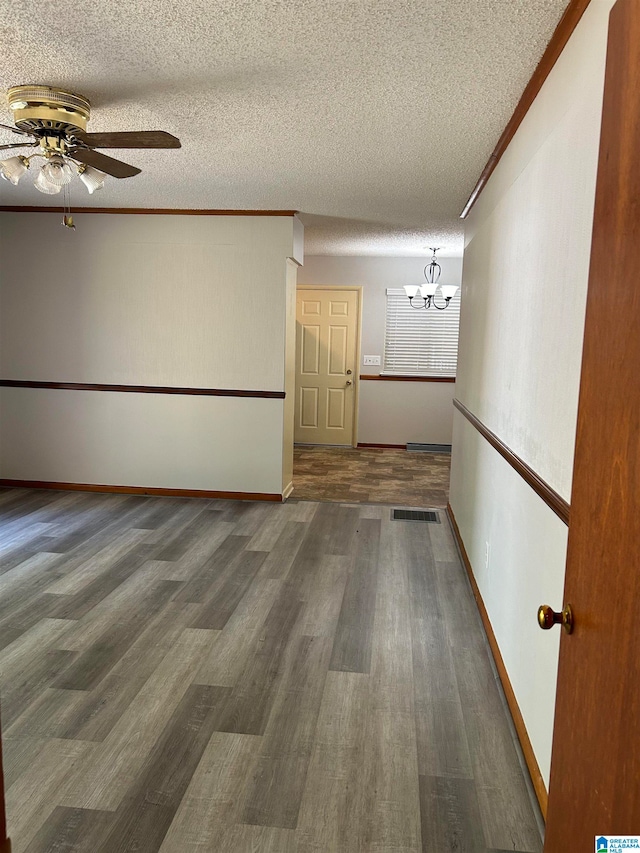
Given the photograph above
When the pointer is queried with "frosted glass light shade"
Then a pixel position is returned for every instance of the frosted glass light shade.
(42, 184)
(411, 290)
(449, 290)
(429, 288)
(92, 178)
(13, 168)
(57, 172)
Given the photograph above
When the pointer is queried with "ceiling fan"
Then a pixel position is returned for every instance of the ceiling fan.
(55, 122)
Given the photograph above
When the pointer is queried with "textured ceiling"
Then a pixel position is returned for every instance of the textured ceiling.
(374, 118)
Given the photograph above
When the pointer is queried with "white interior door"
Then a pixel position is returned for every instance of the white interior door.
(326, 365)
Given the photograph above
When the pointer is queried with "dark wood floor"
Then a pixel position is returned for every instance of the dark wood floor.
(187, 676)
(371, 475)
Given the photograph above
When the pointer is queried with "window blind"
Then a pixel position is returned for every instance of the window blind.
(419, 342)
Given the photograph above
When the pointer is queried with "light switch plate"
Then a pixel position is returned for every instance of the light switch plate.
(371, 359)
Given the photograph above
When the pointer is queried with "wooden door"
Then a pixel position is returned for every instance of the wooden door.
(326, 365)
(595, 768)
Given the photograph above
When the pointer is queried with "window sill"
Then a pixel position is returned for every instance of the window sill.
(394, 378)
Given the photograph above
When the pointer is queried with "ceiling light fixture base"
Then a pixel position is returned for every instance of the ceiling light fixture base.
(42, 109)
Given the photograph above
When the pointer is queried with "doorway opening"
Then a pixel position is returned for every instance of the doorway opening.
(378, 475)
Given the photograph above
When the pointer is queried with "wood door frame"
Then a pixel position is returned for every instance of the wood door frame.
(357, 288)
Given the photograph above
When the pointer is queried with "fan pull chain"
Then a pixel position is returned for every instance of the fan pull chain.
(67, 218)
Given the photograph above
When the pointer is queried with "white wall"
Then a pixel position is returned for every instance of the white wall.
(192, 301)
(422, 411)
(523, 300)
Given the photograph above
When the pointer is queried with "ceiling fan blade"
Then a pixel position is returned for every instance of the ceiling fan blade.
(130, 139)
(18, 145)
(115, 168)
(15, 130)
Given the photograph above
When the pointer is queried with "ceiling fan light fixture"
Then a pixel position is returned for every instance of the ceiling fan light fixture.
(56, 121)
(93, 179)
(57, 171)
(13, 168)
(45, 186)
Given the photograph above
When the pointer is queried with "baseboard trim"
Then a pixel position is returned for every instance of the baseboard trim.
(521, 730)
(140, 490)
(383, 446)
(287, 491)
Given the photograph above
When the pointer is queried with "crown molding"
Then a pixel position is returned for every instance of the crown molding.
(561, 35)
(153, 211)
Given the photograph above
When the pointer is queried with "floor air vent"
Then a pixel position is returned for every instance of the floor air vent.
(415, 515)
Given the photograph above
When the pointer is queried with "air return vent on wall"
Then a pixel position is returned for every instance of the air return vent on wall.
(415, 515)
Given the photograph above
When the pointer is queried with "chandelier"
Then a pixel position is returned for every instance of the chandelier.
(431, 284)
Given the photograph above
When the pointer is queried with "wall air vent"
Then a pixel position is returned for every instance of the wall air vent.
(415, 515)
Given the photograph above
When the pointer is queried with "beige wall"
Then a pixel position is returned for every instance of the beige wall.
(195, 301)
(400, 412)
(389, 412)
(152, 440)
(523, 299)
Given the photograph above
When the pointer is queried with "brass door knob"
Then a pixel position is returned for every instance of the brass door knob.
(547, 618)
(349, 382)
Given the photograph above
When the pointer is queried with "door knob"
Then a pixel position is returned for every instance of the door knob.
(349, 372)
(349, 382)
(547, 618)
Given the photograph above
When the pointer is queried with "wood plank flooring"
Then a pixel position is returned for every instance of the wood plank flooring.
(186, 676)
(371, 475)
